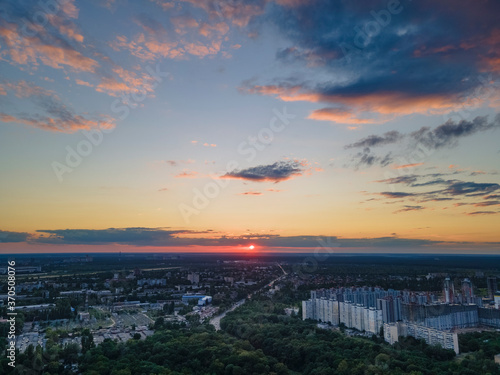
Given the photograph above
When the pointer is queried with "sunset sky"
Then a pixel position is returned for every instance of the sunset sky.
(207, 125)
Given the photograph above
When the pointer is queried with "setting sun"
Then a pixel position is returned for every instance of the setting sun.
(251, 247)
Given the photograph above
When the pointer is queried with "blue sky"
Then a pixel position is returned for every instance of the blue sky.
(215, 124)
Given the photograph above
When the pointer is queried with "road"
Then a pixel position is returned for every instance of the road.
(215, 321)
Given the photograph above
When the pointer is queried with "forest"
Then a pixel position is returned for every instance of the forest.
(259, 338)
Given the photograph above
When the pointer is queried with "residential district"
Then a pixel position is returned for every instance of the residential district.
(398, 313)
(70, 306)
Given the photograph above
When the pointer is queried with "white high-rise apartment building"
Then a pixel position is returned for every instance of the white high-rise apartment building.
(446, 339)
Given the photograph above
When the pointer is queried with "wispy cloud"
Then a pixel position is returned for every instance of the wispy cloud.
(388, 138)
(413, 165)
(251, 193)
(447, 134)
(396, 194)
(482, 213)
(175, 163)
(407, 208)
(187, 174)
(366, 158)
(53, 114)
(462, 192)
(57, 44)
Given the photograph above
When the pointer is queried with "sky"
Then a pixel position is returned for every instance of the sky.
(213, 125)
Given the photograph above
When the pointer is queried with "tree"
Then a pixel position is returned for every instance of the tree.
(70, 353)
(159, 322)
(343, 367)
(87, 340)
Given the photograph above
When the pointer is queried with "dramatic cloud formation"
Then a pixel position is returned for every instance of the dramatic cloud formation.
(210, 73)
(378, 60)
(276, 172)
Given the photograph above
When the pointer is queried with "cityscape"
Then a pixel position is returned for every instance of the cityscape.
(249, 187)
(69, 306)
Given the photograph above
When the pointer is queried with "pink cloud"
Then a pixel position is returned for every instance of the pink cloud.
(83, 83)
(251, 193)
(187, 174)
(360, 108)
(44, 47)
(23, 89)
(55, 124)
(125, 81)
(294, 3)
(339, 116)
(238, 13)
(58, 118)
(407, 166)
